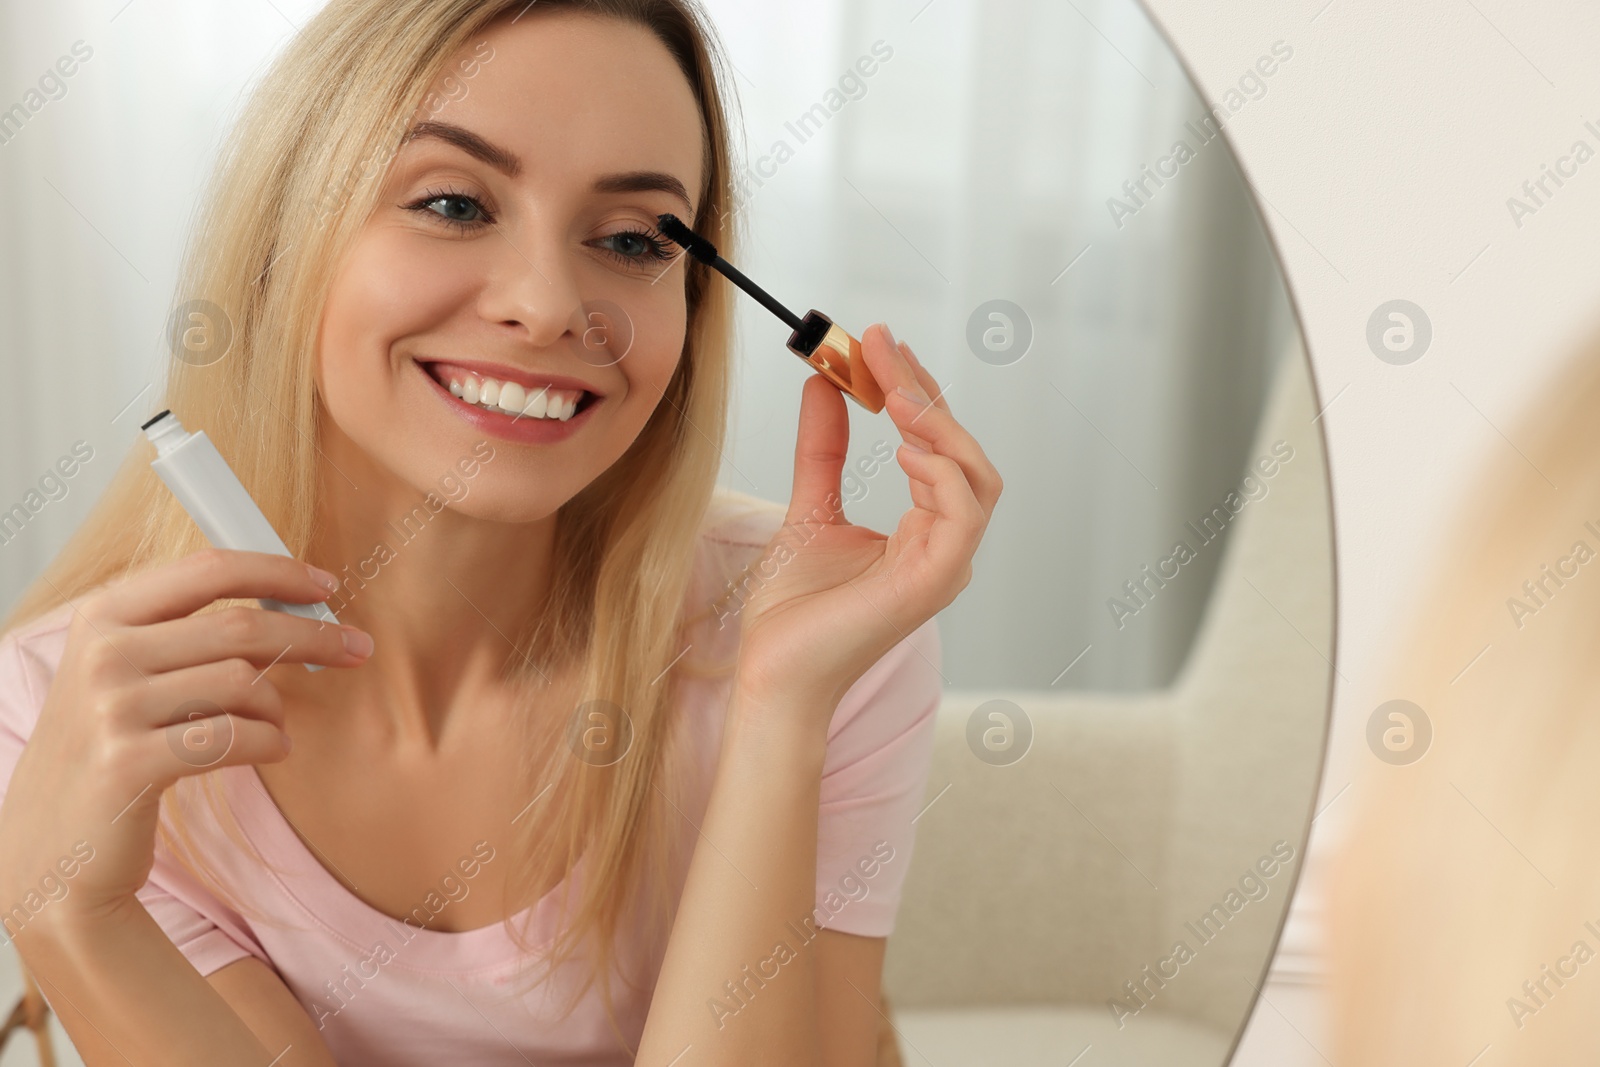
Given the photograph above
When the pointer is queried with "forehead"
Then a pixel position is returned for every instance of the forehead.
(574, 95)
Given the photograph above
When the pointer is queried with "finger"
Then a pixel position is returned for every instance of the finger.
(819, 454)
(930, 384)
(947, 437)
(199, 745)
(191, 583)
(893, 370)
(917, 482)
(930, 388)
(254, 634)
(887, 364)
(232, 685)
(960, 518)
(932, 426)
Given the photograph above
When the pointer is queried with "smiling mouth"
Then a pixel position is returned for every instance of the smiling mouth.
(509, 398)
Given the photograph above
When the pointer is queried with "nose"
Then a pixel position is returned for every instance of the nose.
(531, 289)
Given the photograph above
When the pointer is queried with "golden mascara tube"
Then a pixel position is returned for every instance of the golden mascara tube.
(830, 350)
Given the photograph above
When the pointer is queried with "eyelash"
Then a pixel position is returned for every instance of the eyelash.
(658, 249)
(420, 206)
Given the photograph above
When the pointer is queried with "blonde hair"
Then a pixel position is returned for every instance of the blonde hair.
(1471, 871)
(340, 97)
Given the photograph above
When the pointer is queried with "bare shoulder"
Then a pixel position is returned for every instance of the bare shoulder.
(735, 529)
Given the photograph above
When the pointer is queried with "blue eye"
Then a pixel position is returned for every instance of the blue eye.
(649, 248)
(456, 209)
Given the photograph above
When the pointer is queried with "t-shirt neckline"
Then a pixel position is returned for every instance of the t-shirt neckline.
(328, 902)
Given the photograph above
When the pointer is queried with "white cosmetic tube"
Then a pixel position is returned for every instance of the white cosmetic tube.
(217, 501)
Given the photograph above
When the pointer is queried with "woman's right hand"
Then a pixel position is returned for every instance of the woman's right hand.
(145, 693)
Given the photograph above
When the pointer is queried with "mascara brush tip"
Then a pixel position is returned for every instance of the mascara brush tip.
(691, 242)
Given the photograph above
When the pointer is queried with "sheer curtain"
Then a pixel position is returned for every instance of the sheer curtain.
(976, 164)
(973, 163)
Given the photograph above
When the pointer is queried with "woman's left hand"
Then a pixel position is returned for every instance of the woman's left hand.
(840, 596)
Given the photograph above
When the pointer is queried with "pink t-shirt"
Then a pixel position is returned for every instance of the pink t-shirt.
(387, 992)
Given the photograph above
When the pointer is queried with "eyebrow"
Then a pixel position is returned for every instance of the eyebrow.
(634, 181)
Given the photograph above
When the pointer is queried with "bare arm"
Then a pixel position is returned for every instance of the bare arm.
(738, 982)
(149, 1004)
(260, 998)
(746, 977)
(849, 1015)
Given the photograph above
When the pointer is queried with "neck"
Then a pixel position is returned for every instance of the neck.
(444, 595)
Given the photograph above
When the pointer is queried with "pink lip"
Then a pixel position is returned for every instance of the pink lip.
(501, 372)
(528, 431)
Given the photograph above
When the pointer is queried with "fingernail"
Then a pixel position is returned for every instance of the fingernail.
(288, 744)
(916, 398)
(357, 642)
(323, 578)
(890, 334)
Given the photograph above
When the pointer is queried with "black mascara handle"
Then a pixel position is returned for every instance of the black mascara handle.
(735, 275)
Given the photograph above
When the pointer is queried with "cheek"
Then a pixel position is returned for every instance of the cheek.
(385, 292)
(652, 359)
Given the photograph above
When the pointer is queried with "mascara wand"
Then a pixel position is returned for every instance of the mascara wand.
(828, 348)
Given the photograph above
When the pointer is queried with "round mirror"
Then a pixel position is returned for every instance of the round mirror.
(1137, 679)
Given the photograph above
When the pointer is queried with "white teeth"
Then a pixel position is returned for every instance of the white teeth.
(513, 398)
(536, 405)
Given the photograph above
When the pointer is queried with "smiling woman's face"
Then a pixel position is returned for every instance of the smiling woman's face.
(510, 262)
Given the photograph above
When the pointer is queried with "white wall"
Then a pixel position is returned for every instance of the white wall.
(1385, 155)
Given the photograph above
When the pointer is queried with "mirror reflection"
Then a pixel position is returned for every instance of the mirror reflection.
(1060, 809)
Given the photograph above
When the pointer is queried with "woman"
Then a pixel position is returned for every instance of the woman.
(1464, 908)
(610, 765)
